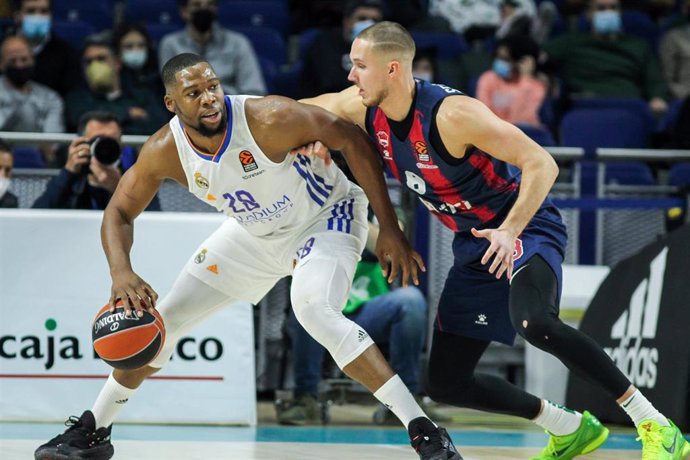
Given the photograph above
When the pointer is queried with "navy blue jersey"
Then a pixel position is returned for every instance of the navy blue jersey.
(463, 193)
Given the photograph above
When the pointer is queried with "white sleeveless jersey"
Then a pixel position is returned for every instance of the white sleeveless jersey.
(266, 198)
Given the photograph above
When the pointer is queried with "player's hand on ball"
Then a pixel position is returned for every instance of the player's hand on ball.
(397, 256)
(135, 293)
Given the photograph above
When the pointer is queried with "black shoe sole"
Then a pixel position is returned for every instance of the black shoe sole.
(52, 453)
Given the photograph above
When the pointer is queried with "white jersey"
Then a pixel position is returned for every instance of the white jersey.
(265, 197)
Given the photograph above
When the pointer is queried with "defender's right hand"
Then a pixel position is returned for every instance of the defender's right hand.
(135, 293)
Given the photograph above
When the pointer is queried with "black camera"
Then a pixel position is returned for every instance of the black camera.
(105, 149)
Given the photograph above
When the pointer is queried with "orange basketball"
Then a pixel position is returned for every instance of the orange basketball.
(127, 343)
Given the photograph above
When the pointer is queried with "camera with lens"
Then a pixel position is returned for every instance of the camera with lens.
(105, 149)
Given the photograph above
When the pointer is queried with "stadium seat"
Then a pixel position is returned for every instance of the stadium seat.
(590, 128)
(640, 107)
(73, 32)
(447, 45)
(668, 120)
(158, 30)
(306, 38)
(260, 13)
(267, 43)
(152, 12)
(539, 135)
(679, 175)
(100, 14)
(629, 173)
(27, 157)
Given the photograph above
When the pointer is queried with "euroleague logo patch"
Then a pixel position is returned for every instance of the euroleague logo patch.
(248, 161)
(517, 252)
(422, 151)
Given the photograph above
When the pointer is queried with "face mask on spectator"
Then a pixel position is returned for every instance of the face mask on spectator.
(502, 68)
(134, 59)
(606, 22)
(4, 185)
(203, 19)
(18, 76)
(360, 26)
(101, 77)
(35, 26)
(426, 76)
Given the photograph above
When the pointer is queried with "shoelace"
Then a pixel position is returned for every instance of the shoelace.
(427, 443)
(73, 422)
(651, 444)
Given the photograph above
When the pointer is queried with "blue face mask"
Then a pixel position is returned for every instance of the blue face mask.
(606, 22)
(360, 26)
(35, 26)
(502, 68)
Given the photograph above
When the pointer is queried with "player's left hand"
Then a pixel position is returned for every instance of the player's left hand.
(396, 256)
(501, 248)
(315, 149)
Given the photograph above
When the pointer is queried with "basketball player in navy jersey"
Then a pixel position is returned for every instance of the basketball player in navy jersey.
(509, 243)
(317, 238)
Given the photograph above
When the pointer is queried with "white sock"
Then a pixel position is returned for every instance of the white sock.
(639, 409)
(558, 420)
(395, 396)
(110, 402)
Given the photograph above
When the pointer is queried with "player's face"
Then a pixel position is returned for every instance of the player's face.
(198, 99)
(369, 72)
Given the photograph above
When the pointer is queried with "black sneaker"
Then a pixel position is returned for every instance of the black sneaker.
(430, 442)
(80, 441)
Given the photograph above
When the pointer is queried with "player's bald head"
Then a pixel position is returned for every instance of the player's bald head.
(390, 40)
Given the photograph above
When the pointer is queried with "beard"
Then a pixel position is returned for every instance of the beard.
(376, 99)
(205, 131)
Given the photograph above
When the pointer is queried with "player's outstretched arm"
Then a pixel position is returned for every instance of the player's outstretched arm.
(300, 124)
(134, 192)
(463, 121)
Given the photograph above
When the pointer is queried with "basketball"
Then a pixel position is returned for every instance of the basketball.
(127, 343)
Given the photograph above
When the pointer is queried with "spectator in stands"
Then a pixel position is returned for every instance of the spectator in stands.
(85, 182)
(139, 112)
(24, 104)
(139, 61)
(510, 89)
(674, 52)
(606, 62)
(57, 63)
(474, 19)
(396, 318)
(424, 65)
(327, 61)
(7, 199)
(230, 53)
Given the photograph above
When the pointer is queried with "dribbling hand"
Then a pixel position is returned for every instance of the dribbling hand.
(135, 293)
(396, 256)
(501, 248)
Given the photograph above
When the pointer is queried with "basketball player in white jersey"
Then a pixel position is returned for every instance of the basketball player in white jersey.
(291, 215)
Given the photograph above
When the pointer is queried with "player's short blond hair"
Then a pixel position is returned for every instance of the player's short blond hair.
(390, 39)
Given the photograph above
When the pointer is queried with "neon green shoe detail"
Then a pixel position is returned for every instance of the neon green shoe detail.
(589, 436)
(662, 442)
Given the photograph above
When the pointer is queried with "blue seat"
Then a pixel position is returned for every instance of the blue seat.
(635, 23)
(27, 157)
(270, 72)
(447, 45)
(158, 30)
(259, 13)
(668, 120)
(152, 12)
(539, 135)
(679, 175)
(100, 14)
(73, 32)
(306, 38)
(287, 81)
(629, 173)
(590, 128)
(267, 43)
(639, 107)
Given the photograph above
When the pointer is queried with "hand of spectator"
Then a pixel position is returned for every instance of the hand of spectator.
(78, 154)
(658, 105)
(104, 176)
(137, 113)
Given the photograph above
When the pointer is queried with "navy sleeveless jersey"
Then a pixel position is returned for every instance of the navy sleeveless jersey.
(462, 193)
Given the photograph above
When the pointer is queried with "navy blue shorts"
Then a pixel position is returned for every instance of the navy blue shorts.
(474, 303)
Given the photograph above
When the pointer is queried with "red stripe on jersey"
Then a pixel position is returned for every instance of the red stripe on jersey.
(383, 141)
(447, 221)
(442, 187)
(482, 162)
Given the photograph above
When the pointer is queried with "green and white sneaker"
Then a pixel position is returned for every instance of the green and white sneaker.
(589, 436)
(662, 442)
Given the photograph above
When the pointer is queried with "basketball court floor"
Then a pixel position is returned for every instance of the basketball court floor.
(349, 436)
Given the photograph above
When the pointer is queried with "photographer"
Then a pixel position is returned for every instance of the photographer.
(92, 170)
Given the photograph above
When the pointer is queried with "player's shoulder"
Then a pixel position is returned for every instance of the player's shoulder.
(459, 108)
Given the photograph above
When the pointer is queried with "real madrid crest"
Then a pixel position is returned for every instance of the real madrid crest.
(201, 256)
(200, 180)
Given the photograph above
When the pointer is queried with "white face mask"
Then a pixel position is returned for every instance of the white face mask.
(134, 59)
(426, 76)
(4, 185)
